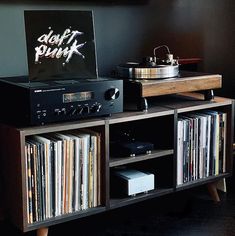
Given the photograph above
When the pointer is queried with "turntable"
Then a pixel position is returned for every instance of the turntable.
(151, 67)
(156, 77)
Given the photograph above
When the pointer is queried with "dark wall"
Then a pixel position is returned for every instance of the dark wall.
(129, 30)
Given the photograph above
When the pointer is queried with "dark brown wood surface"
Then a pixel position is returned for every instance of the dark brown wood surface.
(186, 61)
(12, 171)
(178, 85)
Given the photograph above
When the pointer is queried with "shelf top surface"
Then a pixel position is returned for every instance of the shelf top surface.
(153, 111)
(117, 161)
(62, 126)
(184, 102)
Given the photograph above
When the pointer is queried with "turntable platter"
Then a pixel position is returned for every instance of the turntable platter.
(136, 71)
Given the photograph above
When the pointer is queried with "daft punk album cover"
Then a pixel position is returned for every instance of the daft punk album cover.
(60, 45)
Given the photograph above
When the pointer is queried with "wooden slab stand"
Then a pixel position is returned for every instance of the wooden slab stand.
(188, 83)
(137, 92)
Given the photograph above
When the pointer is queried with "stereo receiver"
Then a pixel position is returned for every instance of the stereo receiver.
(37, 103)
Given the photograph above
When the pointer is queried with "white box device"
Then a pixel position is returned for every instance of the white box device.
(132, 182)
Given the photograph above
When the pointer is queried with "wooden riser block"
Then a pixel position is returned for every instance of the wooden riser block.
(150, 88)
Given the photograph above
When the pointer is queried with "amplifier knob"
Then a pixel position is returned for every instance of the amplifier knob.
(96, 108)
(57, 112)
(79, 110)
(112, 93)
(72, 112)
(63, 111)
(86, 110)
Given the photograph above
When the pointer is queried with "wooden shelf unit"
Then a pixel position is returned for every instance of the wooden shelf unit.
(157, 125)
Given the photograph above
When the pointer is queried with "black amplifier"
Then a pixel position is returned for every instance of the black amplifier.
(37, 103)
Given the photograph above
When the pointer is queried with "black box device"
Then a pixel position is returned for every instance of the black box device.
(44, 102)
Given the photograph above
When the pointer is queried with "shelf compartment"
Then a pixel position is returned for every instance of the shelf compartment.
(125, 136)
(161, 168)
(117, 161)
(15, 163)
(120, 202)
(214, 161)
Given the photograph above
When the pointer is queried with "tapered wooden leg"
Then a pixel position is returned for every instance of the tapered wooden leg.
(221, 185)
(213, 192)
(42, 232)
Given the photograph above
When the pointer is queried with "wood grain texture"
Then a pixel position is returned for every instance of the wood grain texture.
(179, 85)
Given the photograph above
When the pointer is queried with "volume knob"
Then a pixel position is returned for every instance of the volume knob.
(112, 93)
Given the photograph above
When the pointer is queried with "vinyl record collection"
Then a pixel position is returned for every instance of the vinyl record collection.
(63, 173)
(201, 145)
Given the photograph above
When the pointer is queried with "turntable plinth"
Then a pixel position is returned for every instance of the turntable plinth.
(140, 90)
(178, 85)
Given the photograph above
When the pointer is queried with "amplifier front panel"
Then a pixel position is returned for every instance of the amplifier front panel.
(76, 102)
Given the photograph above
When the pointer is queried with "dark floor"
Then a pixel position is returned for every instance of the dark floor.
(186, 213)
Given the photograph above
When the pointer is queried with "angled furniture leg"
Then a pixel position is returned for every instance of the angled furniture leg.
(42, 232)
(213, 192)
